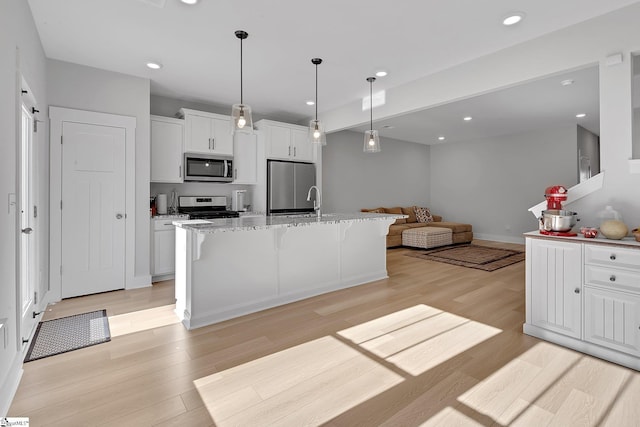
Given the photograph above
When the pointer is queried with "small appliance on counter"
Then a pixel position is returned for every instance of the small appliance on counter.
(238, 200)
(555, 221)
(205, 207)
(161, 204)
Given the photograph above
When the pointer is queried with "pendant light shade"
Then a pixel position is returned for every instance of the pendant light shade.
(241, 120)
(371, 137)
(316, 128)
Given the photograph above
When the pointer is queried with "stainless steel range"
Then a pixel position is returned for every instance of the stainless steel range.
(205, 207)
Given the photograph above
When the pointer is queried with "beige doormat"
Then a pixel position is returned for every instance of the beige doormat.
(472, 256)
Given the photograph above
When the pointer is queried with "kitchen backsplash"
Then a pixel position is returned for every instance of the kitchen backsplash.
(202, 189)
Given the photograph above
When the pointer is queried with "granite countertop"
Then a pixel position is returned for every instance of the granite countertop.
(170, 216)
(281, 221)
(626, 241)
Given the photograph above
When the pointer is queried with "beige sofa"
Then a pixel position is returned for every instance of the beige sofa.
(461, 233)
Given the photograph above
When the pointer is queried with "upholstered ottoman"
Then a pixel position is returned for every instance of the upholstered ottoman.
(427, 237)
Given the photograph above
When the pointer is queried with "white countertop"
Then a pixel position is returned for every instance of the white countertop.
(280, 221)
(627, 241)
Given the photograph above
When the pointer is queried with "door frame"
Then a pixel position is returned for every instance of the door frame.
(57, 116)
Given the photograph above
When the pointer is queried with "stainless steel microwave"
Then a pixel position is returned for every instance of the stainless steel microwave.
(208, 167)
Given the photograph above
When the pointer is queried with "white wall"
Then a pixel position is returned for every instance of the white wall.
(351, 180)
(490, 183)
(584, 44)
(17, 32)
(85, 88)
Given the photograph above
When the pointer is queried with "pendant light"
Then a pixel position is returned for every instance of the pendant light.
(371, 138)
(316, 129)
(241, 120)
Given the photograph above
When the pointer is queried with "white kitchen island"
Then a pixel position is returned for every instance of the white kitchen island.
(230, 267)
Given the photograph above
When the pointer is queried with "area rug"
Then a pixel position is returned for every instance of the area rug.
(69, 333)
(472, 256)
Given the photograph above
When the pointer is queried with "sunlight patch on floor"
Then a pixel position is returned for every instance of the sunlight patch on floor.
(533, 388)
(142, 320)
(419, 338)
(309, 384)
(450, 417)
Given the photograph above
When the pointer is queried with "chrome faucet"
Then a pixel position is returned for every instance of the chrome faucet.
(317, 202)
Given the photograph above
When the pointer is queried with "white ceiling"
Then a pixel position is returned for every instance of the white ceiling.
(200, 53)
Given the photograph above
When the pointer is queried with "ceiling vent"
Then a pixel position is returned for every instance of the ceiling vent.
(156, 3)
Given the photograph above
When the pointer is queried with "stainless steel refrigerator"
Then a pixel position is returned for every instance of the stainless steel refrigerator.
(287, 186)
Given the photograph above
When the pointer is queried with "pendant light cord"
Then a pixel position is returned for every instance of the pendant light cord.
(371, 103)
(316, 93)
(241, 101)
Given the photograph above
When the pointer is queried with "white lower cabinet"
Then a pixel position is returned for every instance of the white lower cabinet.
(612, 319)
(585, 296)
(556, 300)
(163, 239)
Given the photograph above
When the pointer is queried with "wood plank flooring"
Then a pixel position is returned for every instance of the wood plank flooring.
(433, 345)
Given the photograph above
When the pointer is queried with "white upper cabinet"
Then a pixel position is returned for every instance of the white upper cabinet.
(287, 142)
(167, 146)
(207, 132)
(245, 159)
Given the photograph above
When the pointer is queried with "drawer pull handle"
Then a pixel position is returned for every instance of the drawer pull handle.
(612, 257)
(577, 290)
(612, 278)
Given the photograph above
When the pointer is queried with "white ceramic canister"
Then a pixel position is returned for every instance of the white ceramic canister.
(161, 204)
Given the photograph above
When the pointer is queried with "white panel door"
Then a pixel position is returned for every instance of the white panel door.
(556, 286)
(93, 209)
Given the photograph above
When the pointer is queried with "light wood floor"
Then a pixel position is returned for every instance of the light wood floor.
(434, 344)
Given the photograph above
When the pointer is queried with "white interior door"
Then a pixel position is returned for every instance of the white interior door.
(27, 242)
(93, 209)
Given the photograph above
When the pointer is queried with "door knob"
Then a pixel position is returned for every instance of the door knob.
(27, 230)
(576, 290)
(119, 216)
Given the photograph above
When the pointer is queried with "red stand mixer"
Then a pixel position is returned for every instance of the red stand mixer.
(556, 221)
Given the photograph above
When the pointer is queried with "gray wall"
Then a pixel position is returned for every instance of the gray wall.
(490, 183)
(18, 33)
(396, 176)
(85, 88)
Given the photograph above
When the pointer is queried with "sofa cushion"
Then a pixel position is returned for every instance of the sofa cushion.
(415, 224)
(396, 230)
(412, 214)
(456, 227)
(374, 210)
(397, 211)
(423, 215)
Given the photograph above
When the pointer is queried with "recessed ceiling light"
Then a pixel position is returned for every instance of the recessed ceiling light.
(441, 138)
(513, 18)
(381, 73)
(567, 82)
(581, 115)
(154, 65)
(190, 2)
(311, 103)
(468, 118)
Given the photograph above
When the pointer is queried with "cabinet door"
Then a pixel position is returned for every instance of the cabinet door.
(245, 160)
(164, 252)
(279, 143)
(612, 319)
(556, 286)
(222, 140)
(302, 147)
(166, 150)
(198, 134)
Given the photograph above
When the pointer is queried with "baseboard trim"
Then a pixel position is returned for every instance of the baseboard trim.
(140, 282)
(498, 238)
(10, 386)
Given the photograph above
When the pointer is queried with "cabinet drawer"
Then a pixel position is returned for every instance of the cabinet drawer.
(612, 278)
(612, 256)
(163, 224)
